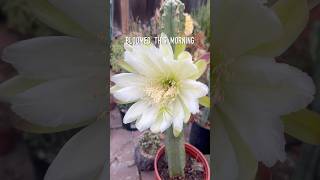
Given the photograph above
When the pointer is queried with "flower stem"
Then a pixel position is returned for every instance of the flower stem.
(175, 153)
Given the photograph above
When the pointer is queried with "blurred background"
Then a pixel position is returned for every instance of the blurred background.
(26, 156)
(23, 156)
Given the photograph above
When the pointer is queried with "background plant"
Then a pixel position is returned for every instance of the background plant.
(202, 18)
(20, 18)
(117, 51)
(150, 142)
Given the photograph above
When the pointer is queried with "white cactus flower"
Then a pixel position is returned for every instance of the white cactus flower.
(164, 89)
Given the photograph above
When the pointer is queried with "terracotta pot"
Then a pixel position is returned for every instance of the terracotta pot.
(193, 152)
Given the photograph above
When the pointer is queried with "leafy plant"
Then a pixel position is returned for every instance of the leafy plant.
(117, 51)
(21, 19)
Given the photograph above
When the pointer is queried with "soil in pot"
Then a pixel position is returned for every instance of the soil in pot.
(193, 170)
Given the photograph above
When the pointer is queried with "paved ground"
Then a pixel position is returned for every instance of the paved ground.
(122, 143)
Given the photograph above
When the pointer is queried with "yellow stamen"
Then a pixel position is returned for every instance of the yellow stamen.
(162, 93)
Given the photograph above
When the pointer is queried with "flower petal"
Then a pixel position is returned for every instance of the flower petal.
(55, 57)
(62, 102)
(165, 47)
(139, 65)
(294, 16)
(166, 121)
(250, 24)
(91, 14)
(234, 159)
(187, 117)
(196, 88)
(83, 156)
(225, 163)
(202, 67)
(191, 103)
(262, 131)
(185, 56)
(183, 69)
(15, 85)
(179, 116)
(128, 79)
(254, 100)
(174, 112)
(135, 111)
(148, 118)
(155, 127)
(56, 19)
(128, 94)
(286, 88)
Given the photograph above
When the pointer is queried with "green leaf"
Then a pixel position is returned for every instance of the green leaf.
(202, 67)
(15, 85)
(303, 125)
(125, 66)
(56, 19)
(293, 15)
(205, 101)
(179, 48)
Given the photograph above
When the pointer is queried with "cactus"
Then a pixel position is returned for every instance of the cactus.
(172, 17)
(150, 143)
(175, 153)
(172, 24)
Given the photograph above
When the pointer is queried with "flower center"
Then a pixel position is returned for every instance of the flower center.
(162, 92)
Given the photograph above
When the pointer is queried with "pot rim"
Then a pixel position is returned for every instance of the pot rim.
(191, 150)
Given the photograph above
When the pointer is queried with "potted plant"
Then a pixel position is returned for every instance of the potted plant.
(163, 87)
(146, 150)
(197, 166)
(200, 132)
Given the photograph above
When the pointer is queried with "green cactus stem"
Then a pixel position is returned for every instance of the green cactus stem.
(175, 153)
(172, 24)
(172, 17)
